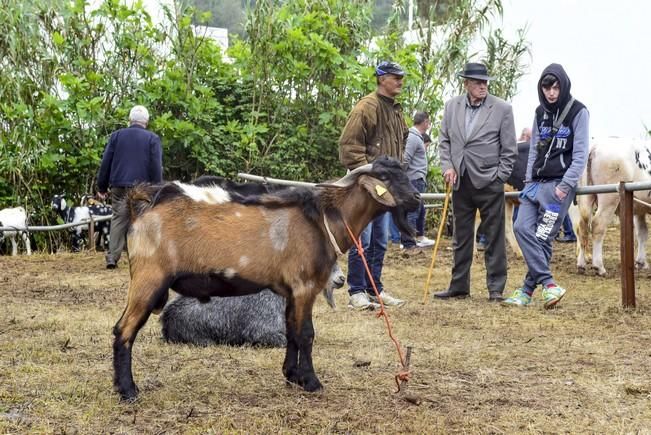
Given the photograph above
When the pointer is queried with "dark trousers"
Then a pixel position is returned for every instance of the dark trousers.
(490, 203)
(119, 223)
(413, 217)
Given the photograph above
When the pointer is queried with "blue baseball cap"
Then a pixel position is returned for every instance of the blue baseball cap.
(386, 67)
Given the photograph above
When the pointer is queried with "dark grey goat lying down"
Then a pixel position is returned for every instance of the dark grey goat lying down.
(257, 319)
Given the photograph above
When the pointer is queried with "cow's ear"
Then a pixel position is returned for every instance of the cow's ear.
(378, 190)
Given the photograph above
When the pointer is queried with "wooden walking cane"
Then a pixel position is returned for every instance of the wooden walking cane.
(448, 189)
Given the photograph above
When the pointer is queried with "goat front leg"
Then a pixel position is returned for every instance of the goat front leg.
(298, 367)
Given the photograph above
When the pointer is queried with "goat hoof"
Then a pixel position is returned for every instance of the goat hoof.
(580, 270)
(292, 378)
(128, 394)
(312, 385)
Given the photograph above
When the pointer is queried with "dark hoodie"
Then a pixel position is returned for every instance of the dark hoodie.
(554, 150)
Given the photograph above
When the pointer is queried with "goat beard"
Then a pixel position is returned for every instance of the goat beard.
(399, 215)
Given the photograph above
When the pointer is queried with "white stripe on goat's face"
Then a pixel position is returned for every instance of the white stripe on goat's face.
(278, 228)
(145, 236)
(209, 194)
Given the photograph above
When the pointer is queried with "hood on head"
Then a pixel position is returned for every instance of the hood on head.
(564, 82)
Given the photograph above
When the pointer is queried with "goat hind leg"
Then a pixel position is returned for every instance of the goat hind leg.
(290, 365)
(581, 216)
(642, 232)
(14, 246)
(600, 221)
(28, 245)
(510, 235)
(144, 292)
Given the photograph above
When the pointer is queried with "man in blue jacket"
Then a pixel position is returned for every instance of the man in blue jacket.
(133, 155)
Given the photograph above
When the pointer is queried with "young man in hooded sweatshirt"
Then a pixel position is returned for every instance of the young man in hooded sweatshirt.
(557, 157)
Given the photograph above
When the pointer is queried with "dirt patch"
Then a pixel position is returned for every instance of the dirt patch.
(476, 367)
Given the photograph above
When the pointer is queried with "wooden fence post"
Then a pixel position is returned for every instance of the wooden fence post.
(626, 242)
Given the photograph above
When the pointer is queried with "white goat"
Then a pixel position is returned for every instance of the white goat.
(15, 218)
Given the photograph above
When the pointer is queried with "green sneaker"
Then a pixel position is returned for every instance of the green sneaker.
(553, 295)
(519, 298)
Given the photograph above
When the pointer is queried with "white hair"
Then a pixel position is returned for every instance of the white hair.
(139, 114)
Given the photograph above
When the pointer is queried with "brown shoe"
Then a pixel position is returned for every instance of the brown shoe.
(411, 252)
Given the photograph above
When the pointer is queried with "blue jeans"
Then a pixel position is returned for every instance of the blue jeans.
(568, 231)
(394, 232)
(415, 218)
(374, 241)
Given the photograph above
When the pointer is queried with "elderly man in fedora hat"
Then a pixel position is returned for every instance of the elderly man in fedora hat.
(477, 147)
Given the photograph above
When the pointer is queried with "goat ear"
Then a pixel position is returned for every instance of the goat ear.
(378, 190)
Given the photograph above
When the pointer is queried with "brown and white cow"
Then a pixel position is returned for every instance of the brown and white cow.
(610, 161)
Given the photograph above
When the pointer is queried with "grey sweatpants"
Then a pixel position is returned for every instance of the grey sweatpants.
(540, 216)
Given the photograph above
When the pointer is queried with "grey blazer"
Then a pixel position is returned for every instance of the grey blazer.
(488, 151)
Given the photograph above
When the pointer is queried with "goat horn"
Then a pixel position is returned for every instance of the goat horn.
(347, 179)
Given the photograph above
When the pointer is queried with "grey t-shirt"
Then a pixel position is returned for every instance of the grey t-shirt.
(415, 155)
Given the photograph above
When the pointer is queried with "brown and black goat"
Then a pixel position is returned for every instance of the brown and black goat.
(202, 242)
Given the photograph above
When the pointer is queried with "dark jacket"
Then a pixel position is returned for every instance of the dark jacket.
(132, 155)
(520, 167)
(375, 127)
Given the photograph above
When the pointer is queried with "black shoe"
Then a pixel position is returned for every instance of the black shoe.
(448, 294)
(565, 239)
(495, 296)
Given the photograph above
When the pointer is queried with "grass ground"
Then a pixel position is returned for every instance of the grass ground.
(476, 367)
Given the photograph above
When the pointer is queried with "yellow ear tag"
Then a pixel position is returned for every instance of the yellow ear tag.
(380, 190)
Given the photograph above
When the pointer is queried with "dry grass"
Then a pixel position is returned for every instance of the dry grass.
(477, 367)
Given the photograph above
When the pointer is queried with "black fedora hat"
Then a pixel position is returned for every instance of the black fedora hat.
(475, 71)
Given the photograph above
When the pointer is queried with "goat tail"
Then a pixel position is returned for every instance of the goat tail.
(139, 199)
(582, 218)
(588, 168)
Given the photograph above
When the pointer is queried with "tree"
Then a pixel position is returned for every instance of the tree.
(275, 105)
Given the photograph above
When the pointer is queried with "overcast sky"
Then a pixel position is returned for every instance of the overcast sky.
(605, 48)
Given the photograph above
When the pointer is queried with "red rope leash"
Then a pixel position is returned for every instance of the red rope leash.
(403, 375)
